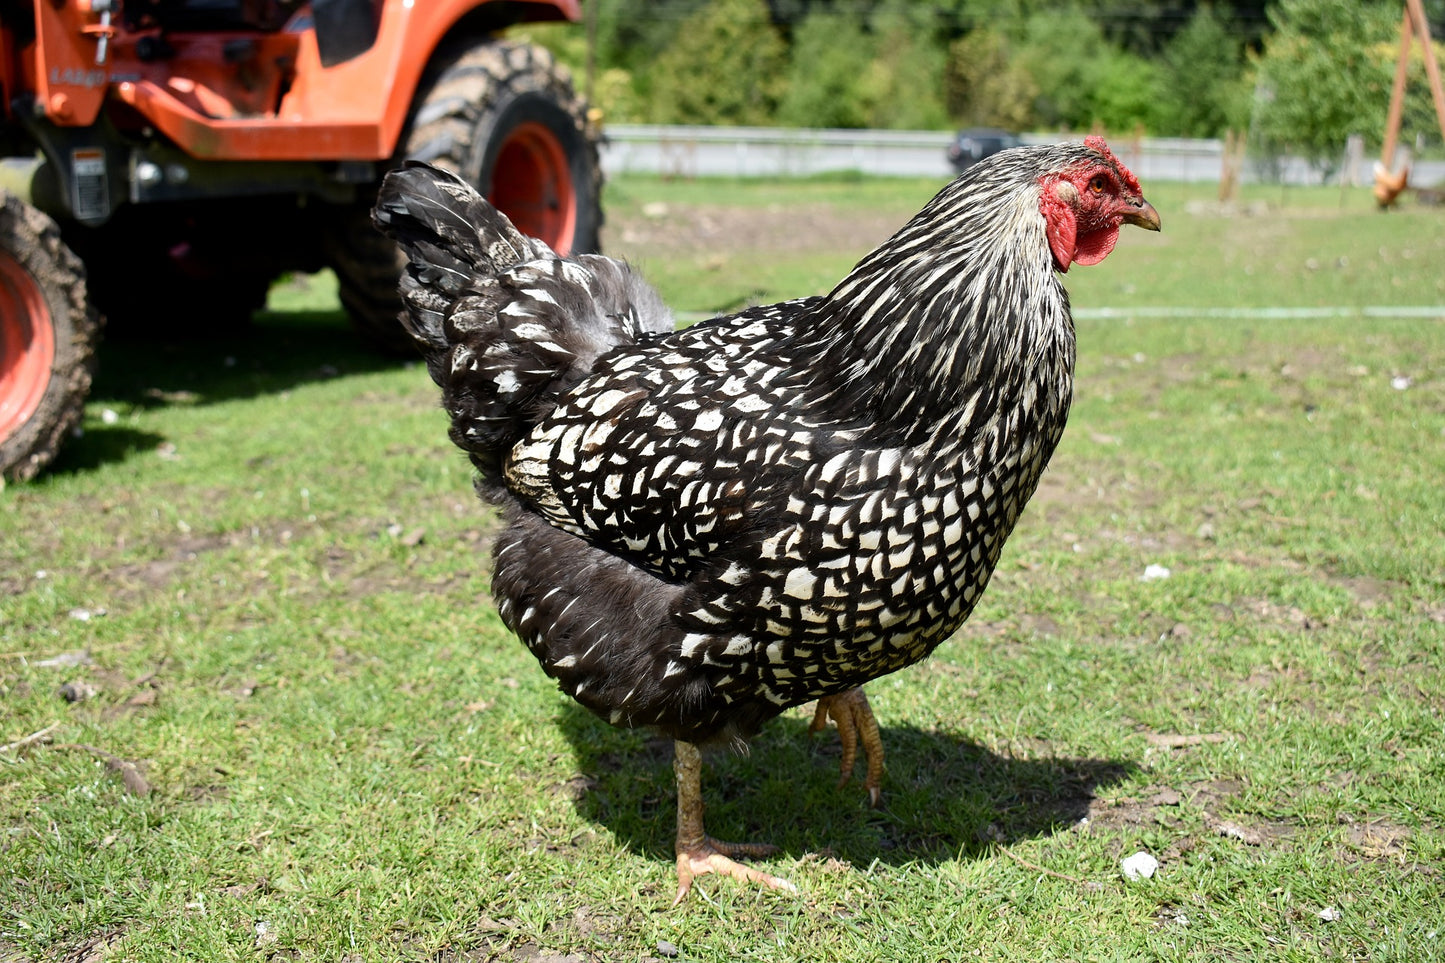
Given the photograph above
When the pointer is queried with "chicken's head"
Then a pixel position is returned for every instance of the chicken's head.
(1085, 203)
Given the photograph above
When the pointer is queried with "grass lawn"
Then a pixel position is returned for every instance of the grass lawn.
(250, 608)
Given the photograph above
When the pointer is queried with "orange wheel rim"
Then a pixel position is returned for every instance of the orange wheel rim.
(27, 346)
(532, 185)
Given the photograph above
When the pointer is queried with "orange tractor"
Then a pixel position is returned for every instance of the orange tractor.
(163, 161)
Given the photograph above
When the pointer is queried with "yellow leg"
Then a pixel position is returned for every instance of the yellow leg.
(698, 853)
(856, 723)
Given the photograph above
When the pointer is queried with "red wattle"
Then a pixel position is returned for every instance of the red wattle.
(1093, 246)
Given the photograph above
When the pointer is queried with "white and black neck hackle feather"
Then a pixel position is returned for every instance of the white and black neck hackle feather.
(704, 527)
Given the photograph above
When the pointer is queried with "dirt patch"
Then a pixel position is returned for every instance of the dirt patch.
(1266, 833)
(208, 793)
(92, 950)
(532, 953)
(131, 580)
(1076, 491)
(674, 230)
(574, 789)
(1368, 592)
(1151, 807)
(1161, 805)
(74, 678)
(503, 939)
(1266, 613)
(1169, 807)
(1379, 839)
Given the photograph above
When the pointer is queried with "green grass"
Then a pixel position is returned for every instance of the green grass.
(348, 757)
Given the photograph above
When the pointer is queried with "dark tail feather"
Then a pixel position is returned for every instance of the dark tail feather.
(505, 325)
(452, 238)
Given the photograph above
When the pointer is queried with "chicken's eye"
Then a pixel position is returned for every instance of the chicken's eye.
(1099, 184)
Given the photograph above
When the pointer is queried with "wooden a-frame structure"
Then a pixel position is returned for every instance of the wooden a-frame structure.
(1413, 23)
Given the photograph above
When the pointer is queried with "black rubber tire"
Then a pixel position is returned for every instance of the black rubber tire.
(473, 104)
(38, 266)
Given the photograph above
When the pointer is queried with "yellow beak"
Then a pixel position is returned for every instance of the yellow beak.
(1143, 216)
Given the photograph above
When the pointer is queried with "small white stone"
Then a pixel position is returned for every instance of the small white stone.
(1399, 382)
(1139, 866)
(1153, 573)
(1329, 914)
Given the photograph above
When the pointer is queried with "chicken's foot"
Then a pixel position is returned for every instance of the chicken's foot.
(699, 853)
(853, 715)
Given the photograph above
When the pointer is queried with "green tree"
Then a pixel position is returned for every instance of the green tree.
(1054, 69)
(1126, 93)
(632, 34)
(903, 85)
(986, 87)
(1062, 51)
(725, 65)
(826, 64)
(1204, 80)
(1321, 77)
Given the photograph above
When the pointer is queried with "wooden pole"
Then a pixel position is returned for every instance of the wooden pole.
(1416, 9)
(1229, 165)
(1397, 96)
(1226, 170)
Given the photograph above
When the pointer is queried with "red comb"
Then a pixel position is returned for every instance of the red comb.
(1096, 143)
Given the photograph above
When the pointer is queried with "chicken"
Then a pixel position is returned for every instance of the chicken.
(703, 528)
(1388, 187)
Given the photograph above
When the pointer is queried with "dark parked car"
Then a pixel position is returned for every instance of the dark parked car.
(976, 143)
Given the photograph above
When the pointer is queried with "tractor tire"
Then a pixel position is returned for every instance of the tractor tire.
(48, 335)
(506, 117)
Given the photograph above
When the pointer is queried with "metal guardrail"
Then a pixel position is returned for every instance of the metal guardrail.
(684, 151)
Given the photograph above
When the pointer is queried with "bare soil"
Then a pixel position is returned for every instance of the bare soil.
(673, 229)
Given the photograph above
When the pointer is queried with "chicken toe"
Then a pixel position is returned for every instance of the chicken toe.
(714, 856)
(698, 853)
(856, 723)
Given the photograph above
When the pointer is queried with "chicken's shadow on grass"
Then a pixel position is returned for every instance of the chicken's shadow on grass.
(944, 796)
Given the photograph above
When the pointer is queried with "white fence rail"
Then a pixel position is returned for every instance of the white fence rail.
(679, 151)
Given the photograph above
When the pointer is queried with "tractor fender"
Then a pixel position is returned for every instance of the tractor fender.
(390, 72)
(352, 110)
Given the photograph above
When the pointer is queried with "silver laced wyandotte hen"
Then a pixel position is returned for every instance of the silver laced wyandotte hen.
(702, 528)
